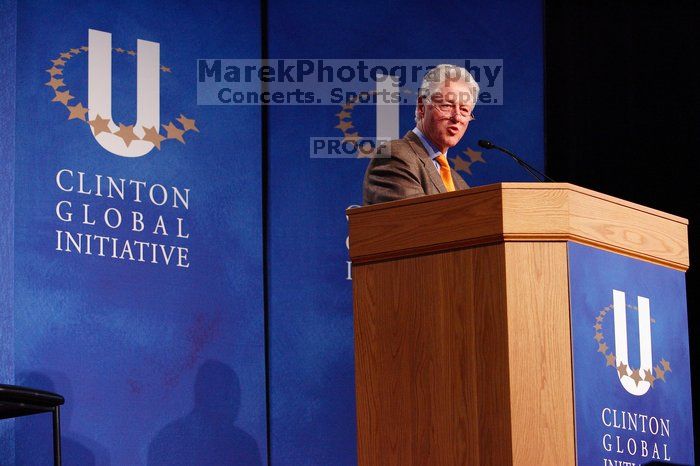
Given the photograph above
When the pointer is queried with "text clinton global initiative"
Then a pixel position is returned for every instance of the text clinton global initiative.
(105, 207)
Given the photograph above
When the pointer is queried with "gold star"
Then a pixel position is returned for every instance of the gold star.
(58, 62)
(174, 132)
(597, 326)
(119, 50)
(602, 313)
(77, 111)
(55, 83)
(599, 319)
(75, 51)
(344, 125)
(165, 69)
(187, 123)
(84, 48)
(461, 164)
(474, 156)
(66, 55)
(660, 374)
(636, 376)
(63, 97)
(650, 378)
(348, 106)
(152, 135)
(598, 337)
(621, 369)
(602, 347)
(126, 133)
(667, 365)
(100, 125)
(131, 52)
(343, 115)
(53, 71)
(610, 360)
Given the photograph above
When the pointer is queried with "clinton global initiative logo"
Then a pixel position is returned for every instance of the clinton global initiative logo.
(635, 380)
(134, 140)
(363, 146)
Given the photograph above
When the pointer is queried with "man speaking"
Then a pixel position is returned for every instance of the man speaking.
(417, 164)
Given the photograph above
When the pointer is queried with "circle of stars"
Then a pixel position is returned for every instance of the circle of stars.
(99, 124)
(622, 369)
(351, 135)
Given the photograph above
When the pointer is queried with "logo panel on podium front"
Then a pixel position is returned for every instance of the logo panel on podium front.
(630, 360)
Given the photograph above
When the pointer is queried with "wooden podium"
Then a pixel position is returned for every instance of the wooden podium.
(462, 324)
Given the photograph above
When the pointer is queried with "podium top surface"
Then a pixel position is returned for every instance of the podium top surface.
(517, 212)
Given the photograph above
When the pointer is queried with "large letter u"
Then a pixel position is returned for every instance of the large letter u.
(640, 386)
(100, 94)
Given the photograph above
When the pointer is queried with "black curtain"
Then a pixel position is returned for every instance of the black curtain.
(622, 112)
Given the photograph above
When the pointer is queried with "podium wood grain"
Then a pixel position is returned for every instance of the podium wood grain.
(419, 361)
(456, 352)
(539, 347)
(517, 212)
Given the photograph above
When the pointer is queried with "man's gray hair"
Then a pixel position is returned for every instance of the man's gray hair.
(441, 73)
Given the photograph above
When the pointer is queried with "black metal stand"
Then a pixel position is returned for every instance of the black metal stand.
(16, 401)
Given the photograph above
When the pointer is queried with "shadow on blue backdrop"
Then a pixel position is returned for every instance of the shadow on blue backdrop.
(34, 434)
(209, 430)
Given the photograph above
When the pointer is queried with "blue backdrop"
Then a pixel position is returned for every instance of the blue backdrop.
(8, 30)
(163, 364)
(160, 364)
(312, 410)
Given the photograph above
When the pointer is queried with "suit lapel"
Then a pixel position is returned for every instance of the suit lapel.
(458, 180)
(417, 147)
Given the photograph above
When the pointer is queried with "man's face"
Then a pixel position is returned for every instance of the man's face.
(445, 117)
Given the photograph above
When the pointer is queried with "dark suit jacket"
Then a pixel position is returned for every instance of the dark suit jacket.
(406, 172)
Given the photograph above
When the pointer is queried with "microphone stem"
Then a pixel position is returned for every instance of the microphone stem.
(533, 171)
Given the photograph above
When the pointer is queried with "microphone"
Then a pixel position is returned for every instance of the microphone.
(486, 144)
(533, 171)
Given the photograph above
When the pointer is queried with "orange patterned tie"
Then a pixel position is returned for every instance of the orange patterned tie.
(445, 172)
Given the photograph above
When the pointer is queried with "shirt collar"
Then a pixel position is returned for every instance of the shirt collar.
(429, 146)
